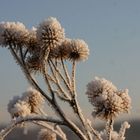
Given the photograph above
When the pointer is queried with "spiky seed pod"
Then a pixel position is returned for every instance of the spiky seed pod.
(109, 108)
(20, 109)
(33, 98)
(46, 134)
(12, 103)
(107, 101)
(78, 50)
(28, 103)
(62, 51)
(34, 63)
(14, 33)
(126, 104)
(50, 33)
(32, 42)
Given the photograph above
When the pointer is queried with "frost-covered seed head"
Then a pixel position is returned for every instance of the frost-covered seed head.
(12, 103)
(46, 134)
(34, 63)
(78, 50)
(98, 90)
(13, 33)
(21, 108)
(50, 33)
(62, 51)
(33, 98)
(107, 101)
(32, 42)
(126, 100)
(30, 102)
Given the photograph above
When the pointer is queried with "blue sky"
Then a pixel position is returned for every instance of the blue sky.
(110, 27)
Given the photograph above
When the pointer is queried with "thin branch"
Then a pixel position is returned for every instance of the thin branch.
(58, 83)
(123, 128)
(47, 81)
(56, 107)
(18, 121)
(79, 113)
(61, 76)
(66, 72)
(109, 128)
(25, 53)
(70, 124)
(47, 126)
(60, 96)
(95, 132)
(28, 75)
(21, 55)
(51, 78)
(61, 131)
(75, 105)
(73, 77)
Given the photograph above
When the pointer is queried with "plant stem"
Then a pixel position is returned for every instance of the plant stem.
(73, 77)
(109, 128)
(56, 107)
(66, 72)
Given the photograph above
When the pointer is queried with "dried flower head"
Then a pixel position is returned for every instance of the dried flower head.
(126, 100)
(106, 99)
(33, 98)
(12, 103)
(62, 51)
(50, 33)
(13, 33)
(32, 42)
(20, 108)
(46, 134)
(34, 63)
(25, 105)
(78, 50)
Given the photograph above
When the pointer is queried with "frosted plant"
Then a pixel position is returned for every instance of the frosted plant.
(46, 52)
(13, 32)
(78, 50)
(62, 51)
(34, 99)
(115, 135)
(17, 107)
(50, 33)
(29, 102)
(108, 102)
(20, 108)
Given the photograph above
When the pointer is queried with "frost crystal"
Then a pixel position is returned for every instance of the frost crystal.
(108, 102)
